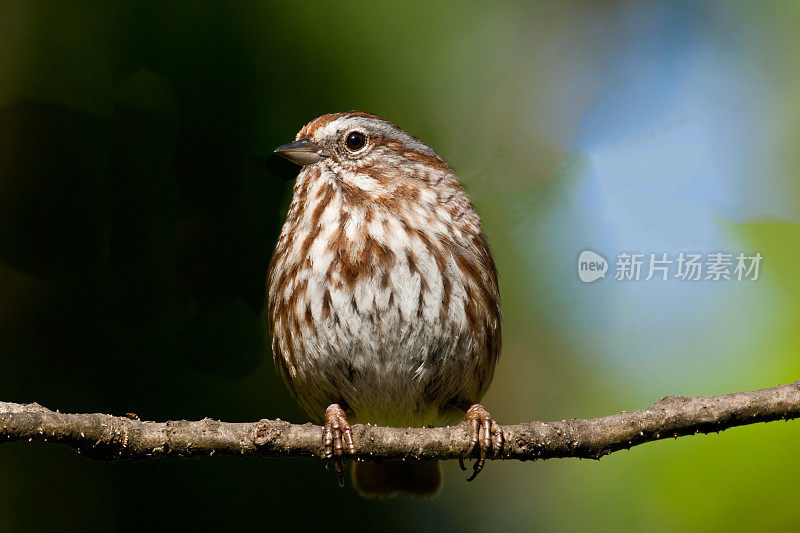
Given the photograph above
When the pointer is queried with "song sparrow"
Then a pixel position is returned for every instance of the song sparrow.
(383, 298)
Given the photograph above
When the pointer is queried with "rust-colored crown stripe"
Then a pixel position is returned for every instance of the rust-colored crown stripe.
(320, 122)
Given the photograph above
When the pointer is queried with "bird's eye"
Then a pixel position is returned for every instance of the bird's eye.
(355, 141)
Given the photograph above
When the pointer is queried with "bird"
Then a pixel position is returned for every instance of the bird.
(383, 299)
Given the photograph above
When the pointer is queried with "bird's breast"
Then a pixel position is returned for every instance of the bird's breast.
(370, 309)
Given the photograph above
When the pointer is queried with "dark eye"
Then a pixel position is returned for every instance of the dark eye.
(355, 141)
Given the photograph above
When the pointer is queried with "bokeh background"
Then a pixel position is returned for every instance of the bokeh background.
(139, 210)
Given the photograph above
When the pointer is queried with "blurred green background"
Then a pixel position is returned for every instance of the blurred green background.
(138, 216)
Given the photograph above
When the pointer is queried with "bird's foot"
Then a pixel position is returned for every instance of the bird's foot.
(486, 434)
(335, 436)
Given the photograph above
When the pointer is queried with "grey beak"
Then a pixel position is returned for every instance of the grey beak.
(302, 151)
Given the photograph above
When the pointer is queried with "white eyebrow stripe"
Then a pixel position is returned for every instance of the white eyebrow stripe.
(372, 126)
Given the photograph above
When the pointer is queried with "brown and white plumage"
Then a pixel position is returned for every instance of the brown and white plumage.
(383, 294)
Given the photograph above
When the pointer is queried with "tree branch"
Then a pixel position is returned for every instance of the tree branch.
(113, 437)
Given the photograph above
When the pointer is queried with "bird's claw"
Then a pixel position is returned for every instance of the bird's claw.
(486, 434)
(335, 436)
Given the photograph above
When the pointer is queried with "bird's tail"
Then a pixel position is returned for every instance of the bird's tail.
(381, 480)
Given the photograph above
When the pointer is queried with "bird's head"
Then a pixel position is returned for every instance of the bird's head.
(364, 151)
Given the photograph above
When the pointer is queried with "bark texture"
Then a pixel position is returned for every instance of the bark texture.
(103, 436)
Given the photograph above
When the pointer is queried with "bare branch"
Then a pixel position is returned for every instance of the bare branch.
(114, 437)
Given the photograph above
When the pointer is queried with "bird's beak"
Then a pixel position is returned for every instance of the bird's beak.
(302, 151)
